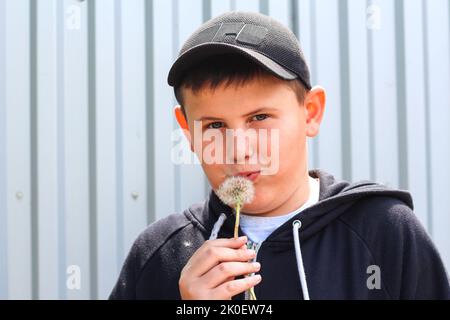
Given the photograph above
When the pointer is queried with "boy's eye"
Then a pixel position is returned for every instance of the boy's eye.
(215, 125)
(260, 117)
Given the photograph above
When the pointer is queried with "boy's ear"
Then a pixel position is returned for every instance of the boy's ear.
(182, 122)
(181, 119)
(315, 107)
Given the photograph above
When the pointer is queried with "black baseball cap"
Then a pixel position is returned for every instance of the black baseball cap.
(258, 37)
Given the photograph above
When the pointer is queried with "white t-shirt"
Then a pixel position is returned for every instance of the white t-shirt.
(259, 228)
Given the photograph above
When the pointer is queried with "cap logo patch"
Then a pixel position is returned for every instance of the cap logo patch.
(248, 34)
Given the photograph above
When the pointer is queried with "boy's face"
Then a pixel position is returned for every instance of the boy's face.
(265, 103)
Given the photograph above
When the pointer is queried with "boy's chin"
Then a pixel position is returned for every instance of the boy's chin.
(259, 209)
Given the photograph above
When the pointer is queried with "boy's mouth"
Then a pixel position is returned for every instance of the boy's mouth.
(251, 175)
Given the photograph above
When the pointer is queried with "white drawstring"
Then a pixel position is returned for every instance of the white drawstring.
(217, 226)
(296, 225)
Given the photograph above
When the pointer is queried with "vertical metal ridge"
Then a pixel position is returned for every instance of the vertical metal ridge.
(402, 114)
(313, 67)
(3, 161)
(34, 214)
(429, 181)
(264, 6)
(207, 11)
(233, 5)
(371, 100)
(61, 169)
(344, 71)
(92, 143)
(149, 98)
(295, 24)
(119, 134)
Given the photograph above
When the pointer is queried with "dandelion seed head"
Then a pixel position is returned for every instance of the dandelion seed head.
(236, 190)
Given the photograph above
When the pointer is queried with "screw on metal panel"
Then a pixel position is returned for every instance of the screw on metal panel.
(19, 195)
(135, 195)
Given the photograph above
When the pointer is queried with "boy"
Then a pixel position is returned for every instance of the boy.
(309, 236)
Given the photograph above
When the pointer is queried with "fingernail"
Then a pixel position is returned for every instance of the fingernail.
(251, 252)
(257, 277)
(242, 238)
(256, 265)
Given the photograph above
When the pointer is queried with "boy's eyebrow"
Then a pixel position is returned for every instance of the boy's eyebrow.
(208, 118)
(264, 109)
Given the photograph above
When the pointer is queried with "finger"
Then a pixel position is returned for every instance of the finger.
(231, 288)
(226, 270)
(231, 243)
(211, 253)
(212, 256)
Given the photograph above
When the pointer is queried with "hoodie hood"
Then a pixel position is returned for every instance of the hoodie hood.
(335, 198)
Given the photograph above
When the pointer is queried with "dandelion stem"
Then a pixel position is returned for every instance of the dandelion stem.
(236, 224)
(251, 293)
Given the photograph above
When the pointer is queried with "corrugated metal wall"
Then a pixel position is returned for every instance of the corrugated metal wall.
(86, 121)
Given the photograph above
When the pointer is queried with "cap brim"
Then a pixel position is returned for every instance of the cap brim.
(202, 51)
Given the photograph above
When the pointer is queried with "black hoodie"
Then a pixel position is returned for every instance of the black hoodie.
(359, 241)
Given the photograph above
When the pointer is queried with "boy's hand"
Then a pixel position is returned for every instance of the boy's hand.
(211, 271)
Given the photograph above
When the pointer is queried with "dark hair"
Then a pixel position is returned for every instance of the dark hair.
(228, 69)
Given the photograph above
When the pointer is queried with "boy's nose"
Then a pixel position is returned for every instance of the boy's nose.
(241, 148)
